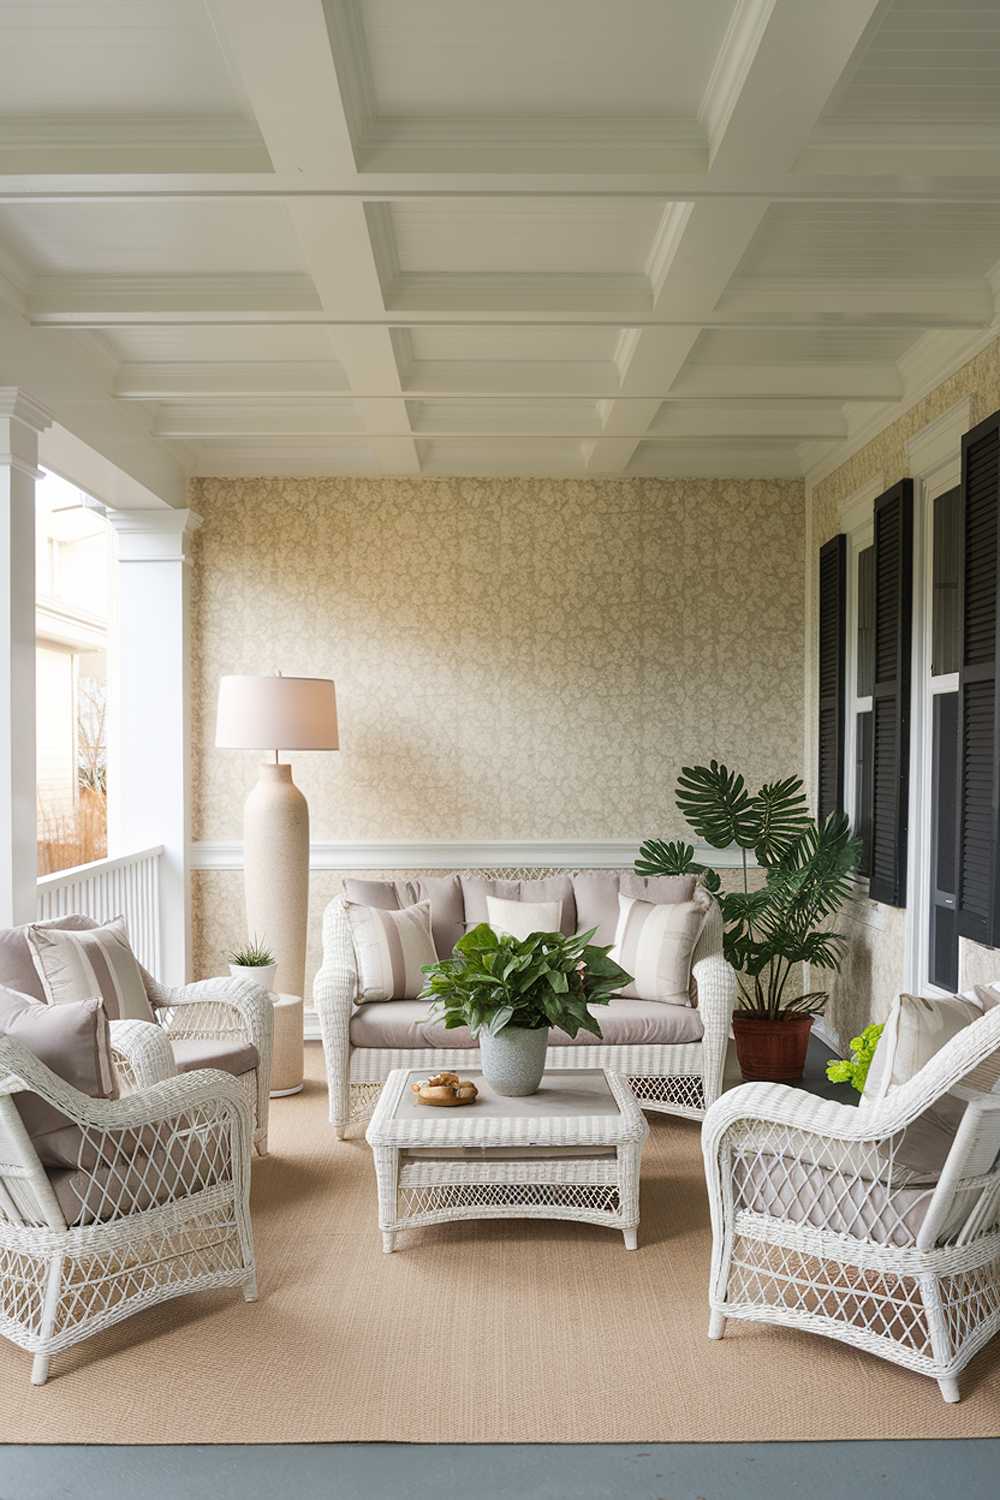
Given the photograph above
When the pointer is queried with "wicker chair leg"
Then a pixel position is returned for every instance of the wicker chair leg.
(716, 1325)
(50, 1305)
(949, 1388)
(250, 1288)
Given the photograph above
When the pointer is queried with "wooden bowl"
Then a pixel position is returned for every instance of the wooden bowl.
(447, 1091)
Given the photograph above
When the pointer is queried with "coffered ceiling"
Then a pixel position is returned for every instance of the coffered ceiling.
(669, 237)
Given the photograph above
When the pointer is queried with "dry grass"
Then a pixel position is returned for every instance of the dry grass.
(65, 841)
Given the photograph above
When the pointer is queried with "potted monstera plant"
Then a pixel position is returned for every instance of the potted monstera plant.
(508, 991)
(775, 926)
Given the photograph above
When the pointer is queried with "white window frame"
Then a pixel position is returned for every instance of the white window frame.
(935, 463)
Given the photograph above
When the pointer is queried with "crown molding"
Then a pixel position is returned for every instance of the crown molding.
(153, 535)
(731, 67)
(600, 854)
(923, 368)
(939, 444)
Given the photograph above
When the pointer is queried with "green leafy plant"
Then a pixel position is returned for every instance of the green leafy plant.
(854, 1069)
(772, 929)
(494, 980)
(254, 956)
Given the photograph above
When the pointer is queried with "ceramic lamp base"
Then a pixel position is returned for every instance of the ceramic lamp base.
(276, 872)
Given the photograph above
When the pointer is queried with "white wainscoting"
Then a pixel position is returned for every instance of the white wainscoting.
(207, 854)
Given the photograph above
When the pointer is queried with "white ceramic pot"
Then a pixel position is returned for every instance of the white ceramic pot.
(262, 974)
(513, 1061)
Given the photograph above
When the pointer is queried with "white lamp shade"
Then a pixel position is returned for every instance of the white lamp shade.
(277, 713)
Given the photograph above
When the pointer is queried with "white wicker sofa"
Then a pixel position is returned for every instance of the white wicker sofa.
(672, 1055)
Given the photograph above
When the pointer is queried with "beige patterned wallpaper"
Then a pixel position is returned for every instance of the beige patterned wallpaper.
(515, 659)
(873, 974)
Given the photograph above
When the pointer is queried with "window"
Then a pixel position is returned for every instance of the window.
(864, 683)
(73, 609)
(942, 687)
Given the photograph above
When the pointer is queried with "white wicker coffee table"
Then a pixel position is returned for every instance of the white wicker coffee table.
(570, 1151)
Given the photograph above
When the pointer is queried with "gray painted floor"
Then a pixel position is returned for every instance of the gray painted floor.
(725, 1471)
(378, 1471)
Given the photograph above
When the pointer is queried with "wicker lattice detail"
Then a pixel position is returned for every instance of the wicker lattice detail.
(157, 1204)
(684, 1092)
(508, 1198)
(877, 1304)
(819, 1222)
(363, 1099)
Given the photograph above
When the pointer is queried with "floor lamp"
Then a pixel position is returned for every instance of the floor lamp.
(277, 713)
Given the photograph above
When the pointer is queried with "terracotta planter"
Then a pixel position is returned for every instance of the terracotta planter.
(771, 1051)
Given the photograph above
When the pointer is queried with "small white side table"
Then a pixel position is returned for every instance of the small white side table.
(287, 1057)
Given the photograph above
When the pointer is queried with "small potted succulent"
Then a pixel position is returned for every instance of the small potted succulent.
(509, 991)
(254, 961)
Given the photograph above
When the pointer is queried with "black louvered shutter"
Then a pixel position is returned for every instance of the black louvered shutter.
(832, 643)
(891, 693)
(978, 737)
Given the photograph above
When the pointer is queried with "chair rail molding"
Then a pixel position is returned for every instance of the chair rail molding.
(570, 854)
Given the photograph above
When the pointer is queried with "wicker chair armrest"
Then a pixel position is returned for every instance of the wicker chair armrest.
(770, 1104)
(142, 1053)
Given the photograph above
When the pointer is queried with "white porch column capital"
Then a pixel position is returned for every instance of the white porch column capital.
(22, 418)
(149, 746)
(153, 535)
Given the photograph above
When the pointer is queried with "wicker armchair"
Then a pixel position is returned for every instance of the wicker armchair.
(680, 1078)
(819, 1223)
(157, 1206)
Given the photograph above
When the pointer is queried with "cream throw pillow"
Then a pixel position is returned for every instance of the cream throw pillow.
(655, 944)
(521, 918)
(915, 1030)
(391, 948)
(97, 962)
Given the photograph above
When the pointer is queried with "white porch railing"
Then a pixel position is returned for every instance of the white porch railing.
(128, 887)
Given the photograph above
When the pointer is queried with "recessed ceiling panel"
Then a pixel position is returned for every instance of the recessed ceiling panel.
(925, 61)
(486, 342)
(549, 57)
(891, 240)
(110, 57)
(813, 346)
(152, 238)
(169, 343)
(560, 237)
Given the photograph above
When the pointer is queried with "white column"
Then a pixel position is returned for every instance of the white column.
(149, 749)
(21, 420)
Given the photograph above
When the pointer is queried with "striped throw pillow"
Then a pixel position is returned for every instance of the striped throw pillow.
(96, 963)
(391, 948)
(655, 944)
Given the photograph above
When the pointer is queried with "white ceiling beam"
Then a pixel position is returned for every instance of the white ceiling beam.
(191, 380)
(283, 186)
(757, 110)
(135, 144)
(283, 55)
(109, 301)
(820, 382)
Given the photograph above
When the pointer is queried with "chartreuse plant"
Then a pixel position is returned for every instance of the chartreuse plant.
(807, 867)
(854, 1069)
(494, 980)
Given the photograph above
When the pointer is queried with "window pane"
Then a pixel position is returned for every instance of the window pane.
(947, 521)
(863, 767)
(866, 622)
(943, 965)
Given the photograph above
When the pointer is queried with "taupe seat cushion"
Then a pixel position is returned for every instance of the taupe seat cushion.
(137, 1180)
(235, 1057)
(638, 1023)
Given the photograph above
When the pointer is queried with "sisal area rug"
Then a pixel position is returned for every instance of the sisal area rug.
(510, 1331)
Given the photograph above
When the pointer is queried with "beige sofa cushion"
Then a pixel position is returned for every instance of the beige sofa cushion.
(75, 1042)
(391, 948)
(444, 892)
(99, 961)
(476, 889)
(405, 1024)
(656, 943)
(596, 895)
(237, 1056)
(17, 967)
(520, 919)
